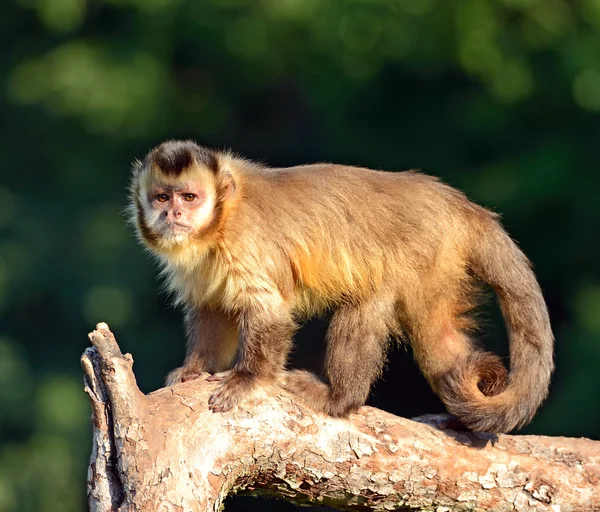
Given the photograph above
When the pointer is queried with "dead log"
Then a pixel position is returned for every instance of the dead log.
(166, 451)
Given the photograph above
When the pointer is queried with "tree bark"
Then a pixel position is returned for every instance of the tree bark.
(166, 451)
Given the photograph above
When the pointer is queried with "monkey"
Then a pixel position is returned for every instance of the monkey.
(249, 251)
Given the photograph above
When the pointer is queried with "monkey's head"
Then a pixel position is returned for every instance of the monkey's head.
(177, 196)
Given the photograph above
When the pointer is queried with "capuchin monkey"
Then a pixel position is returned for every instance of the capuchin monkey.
(250, 250)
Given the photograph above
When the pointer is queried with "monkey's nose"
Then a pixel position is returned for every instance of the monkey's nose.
(177, 214)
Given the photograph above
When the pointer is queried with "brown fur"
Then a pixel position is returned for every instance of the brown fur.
(394, 254)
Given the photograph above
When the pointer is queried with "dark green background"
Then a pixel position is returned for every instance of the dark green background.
(498, 97)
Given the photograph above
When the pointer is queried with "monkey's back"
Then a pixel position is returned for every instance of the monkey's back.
(348, 231)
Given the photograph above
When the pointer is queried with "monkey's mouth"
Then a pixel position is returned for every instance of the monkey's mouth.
(177, 228)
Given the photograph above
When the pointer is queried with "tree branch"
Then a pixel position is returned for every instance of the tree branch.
(167, 452)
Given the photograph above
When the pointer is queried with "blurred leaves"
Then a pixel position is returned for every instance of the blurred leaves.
(109, 92)
(586, 89)
(112, 303)
(115, 83)
(60, 405)
(587, 304)
(16, 387)
(498, 97)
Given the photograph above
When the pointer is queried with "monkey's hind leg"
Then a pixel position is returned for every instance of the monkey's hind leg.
(356, 346)
(357, 342)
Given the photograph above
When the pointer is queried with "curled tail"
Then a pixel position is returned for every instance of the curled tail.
(477, 389)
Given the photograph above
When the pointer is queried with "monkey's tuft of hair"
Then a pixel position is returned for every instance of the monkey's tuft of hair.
(173, 157)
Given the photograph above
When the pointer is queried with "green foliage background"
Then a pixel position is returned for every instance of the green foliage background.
(499, 97)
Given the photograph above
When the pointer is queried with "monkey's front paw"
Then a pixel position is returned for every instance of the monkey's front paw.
(234, 386)
(182, 374)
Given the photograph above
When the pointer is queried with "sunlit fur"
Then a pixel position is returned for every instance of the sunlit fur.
(394, 254)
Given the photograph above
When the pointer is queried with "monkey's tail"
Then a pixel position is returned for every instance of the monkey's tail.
(477, 389)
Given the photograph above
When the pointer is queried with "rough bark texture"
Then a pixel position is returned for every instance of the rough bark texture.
(167, 452)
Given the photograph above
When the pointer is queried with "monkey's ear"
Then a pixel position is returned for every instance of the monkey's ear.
(225, 176)
(226, 183)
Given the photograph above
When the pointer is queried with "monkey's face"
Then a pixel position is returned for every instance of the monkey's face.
(178, 196)
(176, 209)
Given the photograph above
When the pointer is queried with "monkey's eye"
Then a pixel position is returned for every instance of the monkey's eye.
(189, 197)
(161, 198)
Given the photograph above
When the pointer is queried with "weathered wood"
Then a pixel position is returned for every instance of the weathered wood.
(167, 452)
